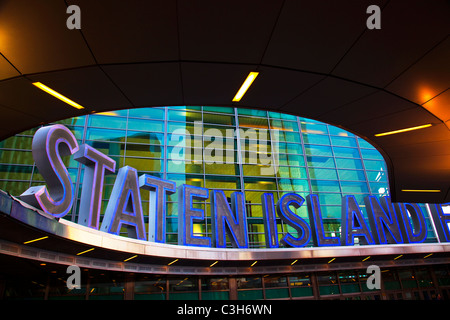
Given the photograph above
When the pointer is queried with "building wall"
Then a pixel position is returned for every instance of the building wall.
(173, 143)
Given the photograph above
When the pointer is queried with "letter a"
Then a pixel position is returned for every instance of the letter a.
(374, 21)
(74, 280)
(74, 21)
(374, 281)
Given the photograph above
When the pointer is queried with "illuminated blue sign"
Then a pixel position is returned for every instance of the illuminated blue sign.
(387, 223)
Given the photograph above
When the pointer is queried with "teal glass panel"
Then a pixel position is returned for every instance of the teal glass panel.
(302, 292)
(325, 186)
(215, 295)
(323, 174)
(144, 125)
(377, 176)
(330, 199)
(183, 296)
(219, 109)
(346, 152)
(314, 127)
(291, 148)
(284, 125)
(277, 293)
(290, 160)
(105, 134)
(277, 115)
(364, 144)
(335, 131)
(252, 112)
(354, 187)
(371, 154)
(155, 296)
(356, 175)
(374, 165)
(316, 139)
(350, 288)
(328, 290)
(294, 172)
(348, 163)
(147, 113)
(107, 122)
(320, 162)
(295, 185)
(250, 295)
(318, 150)
(343, 141)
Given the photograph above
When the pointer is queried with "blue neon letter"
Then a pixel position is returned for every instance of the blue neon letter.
(293, 220)
(226, 220)
(187, 215)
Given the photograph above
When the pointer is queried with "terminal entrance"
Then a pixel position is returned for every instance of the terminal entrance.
(34, 280)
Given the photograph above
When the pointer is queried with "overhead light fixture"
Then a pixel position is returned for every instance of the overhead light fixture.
(247, 83)
(254, 263)
(403, 130)
(294, 262)
(34, 240)
(83, 252)
(419, 190)
(170, 263)
(398, 257)
(428, 255)
(58, 95)
(128, 259)
(366, 258)
(213, 264)
(331, 260)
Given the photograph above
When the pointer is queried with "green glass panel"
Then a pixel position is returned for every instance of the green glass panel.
(156, 296)
(250, 295)
(218, 295)
(183, 296)
(277, 293)
(301, 292)
(327, 290)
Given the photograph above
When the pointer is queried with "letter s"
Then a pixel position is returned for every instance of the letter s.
(49, 144)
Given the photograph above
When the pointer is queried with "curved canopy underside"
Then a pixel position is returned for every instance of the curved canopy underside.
(316, 59)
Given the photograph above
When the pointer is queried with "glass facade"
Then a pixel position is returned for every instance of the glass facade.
(230, 149)
(397, 283)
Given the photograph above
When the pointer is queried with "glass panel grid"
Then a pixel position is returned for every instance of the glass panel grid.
(305, 156)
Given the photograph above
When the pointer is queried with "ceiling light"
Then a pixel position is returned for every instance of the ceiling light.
(403, 130)
(254, 263)
(83, 252)
(427, 255)
(247, 83)
(366, 258)
(34, 240)
(331, 260)
(418, 190)
(213, 264)
(170, 263)
(294, 262)
(57, 95)
(398, 257)
(130, 258)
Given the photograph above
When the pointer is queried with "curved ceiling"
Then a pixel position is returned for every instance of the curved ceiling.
(316, 59)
